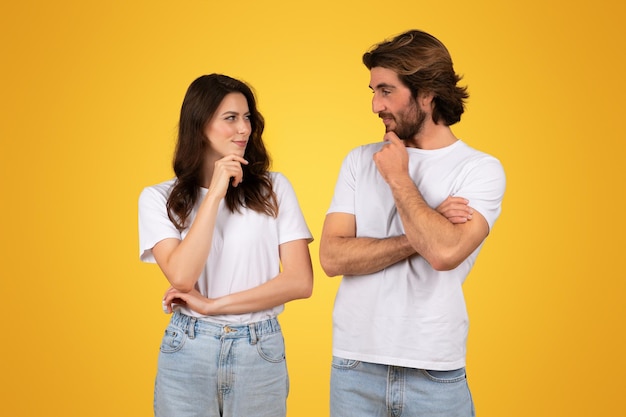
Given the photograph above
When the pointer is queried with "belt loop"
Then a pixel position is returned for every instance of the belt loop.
(191, 328)
(253, 338)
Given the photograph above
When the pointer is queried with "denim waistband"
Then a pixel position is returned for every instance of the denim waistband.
(193, 326)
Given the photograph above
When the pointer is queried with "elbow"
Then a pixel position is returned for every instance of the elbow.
(330, 267)
(181, 280)
(443, 262)
(181, 284)
(306, 290)
(183, 287)
(297, 283)
(442, 266)
(440, 258)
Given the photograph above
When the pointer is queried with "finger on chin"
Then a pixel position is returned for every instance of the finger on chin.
(392, 137)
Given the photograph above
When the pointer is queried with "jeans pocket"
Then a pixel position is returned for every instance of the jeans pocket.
(341, 363)
(173, 340)
(271, 347)
(455, 375)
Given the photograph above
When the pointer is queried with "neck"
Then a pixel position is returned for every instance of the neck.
(432, 136)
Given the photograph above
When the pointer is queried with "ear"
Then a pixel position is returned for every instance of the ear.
(425, 100)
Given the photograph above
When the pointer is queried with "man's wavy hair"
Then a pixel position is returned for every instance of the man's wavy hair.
(424, 65)
(201, 101)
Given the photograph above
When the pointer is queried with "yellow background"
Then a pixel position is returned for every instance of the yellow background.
(90, 98)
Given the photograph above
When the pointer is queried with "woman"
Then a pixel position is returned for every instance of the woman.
(231, 240)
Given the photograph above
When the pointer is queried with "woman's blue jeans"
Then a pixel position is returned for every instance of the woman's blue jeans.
(212, 370)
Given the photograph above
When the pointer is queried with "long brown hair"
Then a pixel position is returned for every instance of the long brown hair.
(423, 64)
(202, 99)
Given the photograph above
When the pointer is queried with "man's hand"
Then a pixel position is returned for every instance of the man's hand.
(392, 160)
(456, 210)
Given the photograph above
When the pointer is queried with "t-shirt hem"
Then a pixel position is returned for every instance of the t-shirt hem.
(433, 365)
(340, 209)
(287, 239)
(146, 255)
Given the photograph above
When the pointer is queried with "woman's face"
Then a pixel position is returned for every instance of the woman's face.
(229, 128)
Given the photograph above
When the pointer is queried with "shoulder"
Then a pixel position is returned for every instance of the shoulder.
(367, 149)
(280, 183)
(284, 190)
(277, 176)
(479, 158)
(362, 153)
(157, 192)
(470, 152)
(481, 171)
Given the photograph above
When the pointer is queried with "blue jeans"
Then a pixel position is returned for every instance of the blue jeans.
(212, 370)
(361, 389)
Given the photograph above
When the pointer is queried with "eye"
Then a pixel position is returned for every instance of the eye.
(386, 92)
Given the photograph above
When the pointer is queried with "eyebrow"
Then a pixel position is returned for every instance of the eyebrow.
(233, 113)
(382, 85)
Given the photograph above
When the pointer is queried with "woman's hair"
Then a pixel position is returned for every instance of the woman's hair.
(202, 99)
(423, 64)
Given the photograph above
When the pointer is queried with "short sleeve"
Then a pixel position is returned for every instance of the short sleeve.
(154, 223)
(291, 222)
(484, 187)
(344, 195)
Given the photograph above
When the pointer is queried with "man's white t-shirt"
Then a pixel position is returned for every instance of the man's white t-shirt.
(244, 252)
(409, 314)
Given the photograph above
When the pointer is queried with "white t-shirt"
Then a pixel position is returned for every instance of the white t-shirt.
(244, 252)
(409, 314)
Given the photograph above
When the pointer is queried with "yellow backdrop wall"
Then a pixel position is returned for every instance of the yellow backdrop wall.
(89, 105)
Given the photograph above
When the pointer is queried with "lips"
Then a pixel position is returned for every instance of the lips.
(387, 118)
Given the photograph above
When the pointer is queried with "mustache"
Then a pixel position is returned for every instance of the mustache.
(386, 116)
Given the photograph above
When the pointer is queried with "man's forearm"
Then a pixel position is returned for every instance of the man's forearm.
(437, 239)
(362, 255)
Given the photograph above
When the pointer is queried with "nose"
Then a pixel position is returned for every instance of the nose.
(377, 104)
(244, 127)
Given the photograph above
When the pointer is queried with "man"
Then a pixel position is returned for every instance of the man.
(407, 220)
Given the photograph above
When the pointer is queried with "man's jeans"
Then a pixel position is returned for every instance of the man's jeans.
(360, 389)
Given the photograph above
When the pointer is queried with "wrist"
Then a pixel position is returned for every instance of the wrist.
(405, 246)
(213, 306)
(401, 183)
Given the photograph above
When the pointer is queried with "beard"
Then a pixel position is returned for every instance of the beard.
(408, 123)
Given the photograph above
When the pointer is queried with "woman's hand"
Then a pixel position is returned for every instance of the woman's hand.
(192, 300)
(227, 171)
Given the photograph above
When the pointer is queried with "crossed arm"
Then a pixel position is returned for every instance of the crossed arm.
(444, 236)
(293, 282)
(182, 261)
(342, 253)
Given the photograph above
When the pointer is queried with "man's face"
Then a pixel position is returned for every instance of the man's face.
(394, 104)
